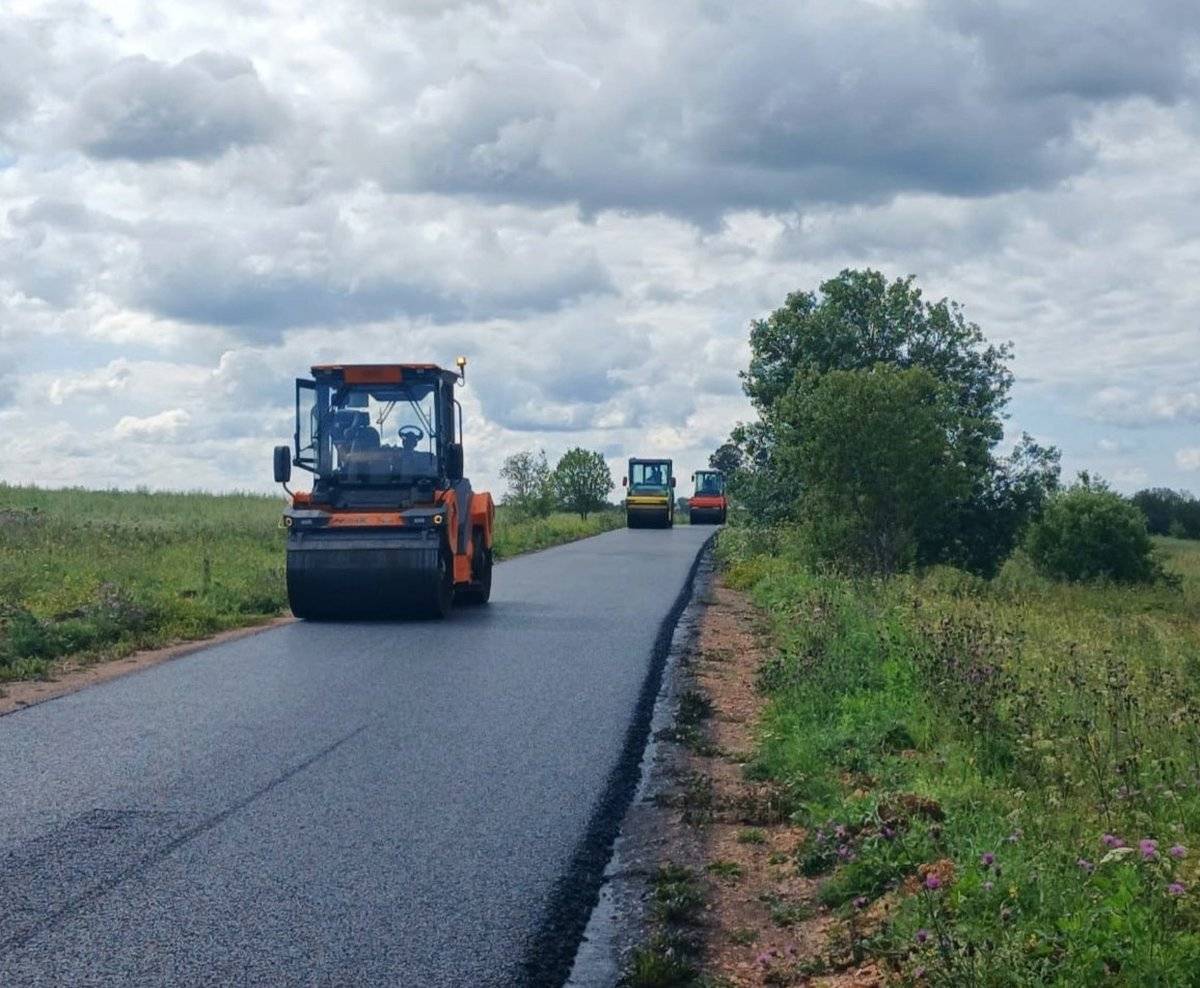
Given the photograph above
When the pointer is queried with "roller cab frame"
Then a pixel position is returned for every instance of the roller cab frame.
(391, 527)
(708, 505)
(650, 497)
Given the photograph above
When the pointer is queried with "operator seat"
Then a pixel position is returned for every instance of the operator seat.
(364, 451)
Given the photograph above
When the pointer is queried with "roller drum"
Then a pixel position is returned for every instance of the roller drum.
(336, 575)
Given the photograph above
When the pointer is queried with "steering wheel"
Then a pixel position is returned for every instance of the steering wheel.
(412, 430)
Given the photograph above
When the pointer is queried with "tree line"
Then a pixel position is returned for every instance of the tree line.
(580, 483)
(878, 441)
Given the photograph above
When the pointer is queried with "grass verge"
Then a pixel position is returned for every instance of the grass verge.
(1008, 771)
(93, 575)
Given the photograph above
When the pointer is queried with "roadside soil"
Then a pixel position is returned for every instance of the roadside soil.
(72, 675)
(762, 922)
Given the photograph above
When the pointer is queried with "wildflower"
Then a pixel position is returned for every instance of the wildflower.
(932, 881)
(1112, 840)
(987, 859)
(922, 936)
(919, 973)
(1178, 852)
(840, 832)
(1086, 865)
(1149, 849)
(764, 959)
(861, 902)
(844, 853)
(1176, 889)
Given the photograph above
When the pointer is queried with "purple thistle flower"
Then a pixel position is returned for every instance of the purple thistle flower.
(861, 902)
(987, 859)
(922, 936)
(764, 959)
(932, 881)
(1178, 852)
(1112, 840)
(1086, 865)
(1176, 889)
(1149, 849)
(840, 832)
(919, 973)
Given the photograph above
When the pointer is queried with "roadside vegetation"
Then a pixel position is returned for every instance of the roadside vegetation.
(982, 702)
(93, 575)
(1007, 772)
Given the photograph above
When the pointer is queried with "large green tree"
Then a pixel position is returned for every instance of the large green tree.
(857, 321)
(727, 458)
(880, 452)
(530, 492)
(582, 481)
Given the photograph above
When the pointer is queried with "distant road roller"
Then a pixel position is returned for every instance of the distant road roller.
(391, 527)
(708, 505)
(650, 501)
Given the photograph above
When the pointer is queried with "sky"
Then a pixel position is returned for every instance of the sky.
(591, 201)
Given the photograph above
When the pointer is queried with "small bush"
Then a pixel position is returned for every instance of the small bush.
(1092, 533)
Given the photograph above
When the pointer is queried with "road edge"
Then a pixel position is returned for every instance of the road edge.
(22, 694)
(76, 675)
(551, 954)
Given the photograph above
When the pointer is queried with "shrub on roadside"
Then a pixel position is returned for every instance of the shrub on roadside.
(1092, 533)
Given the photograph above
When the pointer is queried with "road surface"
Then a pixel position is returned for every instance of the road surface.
(422, 804)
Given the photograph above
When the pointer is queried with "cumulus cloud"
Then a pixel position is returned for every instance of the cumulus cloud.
(1125, 406)
(372, 259)
(701, 107)
(591, 201)
(163, 427)
(198, 108)
(108, 380)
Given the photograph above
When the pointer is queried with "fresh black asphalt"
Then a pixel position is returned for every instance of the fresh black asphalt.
(418, 804)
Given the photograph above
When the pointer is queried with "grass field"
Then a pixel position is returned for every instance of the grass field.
(1005, 774)
(97, 574)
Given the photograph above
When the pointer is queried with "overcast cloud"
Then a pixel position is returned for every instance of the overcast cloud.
(198, 201)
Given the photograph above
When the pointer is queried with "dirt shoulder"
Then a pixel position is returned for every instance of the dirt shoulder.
(72, 676)
(725, 838)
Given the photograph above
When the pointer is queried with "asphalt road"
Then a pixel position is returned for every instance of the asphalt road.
(418, 805)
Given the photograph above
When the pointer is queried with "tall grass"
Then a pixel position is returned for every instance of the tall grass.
(97, 574)
(1014, 765)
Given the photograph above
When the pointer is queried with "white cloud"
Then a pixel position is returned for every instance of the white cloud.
(163, 427)
(143, 110)
(591, 202)
(108, 380)
(1188, 459)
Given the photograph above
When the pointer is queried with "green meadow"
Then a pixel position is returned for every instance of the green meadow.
(97, 574)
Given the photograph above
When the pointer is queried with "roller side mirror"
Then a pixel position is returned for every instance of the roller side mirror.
(454, 461)
(283, 464)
